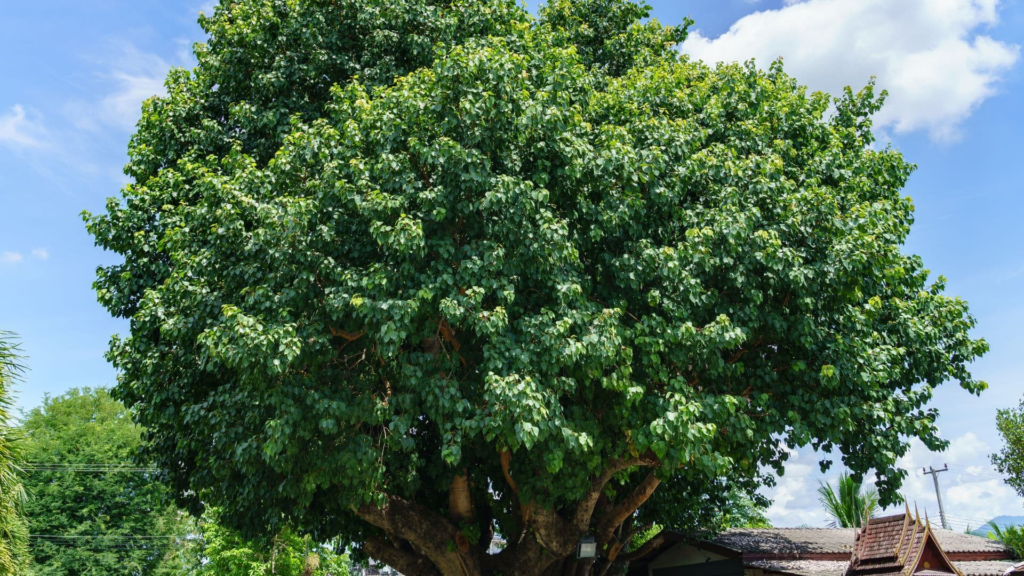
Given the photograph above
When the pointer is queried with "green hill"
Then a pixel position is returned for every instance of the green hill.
(1002, 521)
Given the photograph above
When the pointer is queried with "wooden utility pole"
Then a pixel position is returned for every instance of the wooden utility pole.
(938, 494)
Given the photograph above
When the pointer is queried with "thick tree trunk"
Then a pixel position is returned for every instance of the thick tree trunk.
(424, 542)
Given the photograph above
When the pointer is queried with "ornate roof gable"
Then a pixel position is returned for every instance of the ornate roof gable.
(900, 545)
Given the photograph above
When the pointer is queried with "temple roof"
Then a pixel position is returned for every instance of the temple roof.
(813, 541)
(899, 545)
(829, 551)
(838, 568)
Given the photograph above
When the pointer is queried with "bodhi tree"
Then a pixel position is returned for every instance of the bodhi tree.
(413, 273)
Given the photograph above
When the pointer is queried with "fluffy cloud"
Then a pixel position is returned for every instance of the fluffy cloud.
(122, 107)
(132, 76)
(18, 131)
(972, 490)
(10, 257)
(931, 55)
(18, 257)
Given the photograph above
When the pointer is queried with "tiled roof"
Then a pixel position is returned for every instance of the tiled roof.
(834, 541)
(954, 542)
(988, 568)
(834, 568)
(802, 567)
(883, 538)
(788, 540)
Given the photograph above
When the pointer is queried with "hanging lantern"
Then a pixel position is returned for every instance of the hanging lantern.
(587, 547)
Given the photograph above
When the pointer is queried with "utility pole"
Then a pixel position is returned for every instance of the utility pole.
(938, 494)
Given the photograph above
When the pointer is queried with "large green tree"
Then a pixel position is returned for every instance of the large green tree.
(411, 272)
(1010, 460)
(91, 511)
(13, 526)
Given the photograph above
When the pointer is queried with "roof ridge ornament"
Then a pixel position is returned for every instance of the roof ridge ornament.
(903, 532)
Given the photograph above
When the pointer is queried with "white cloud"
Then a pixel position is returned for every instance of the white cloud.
(973, 492)
(41, 253)
(123, 107)
(932, 55)
(10, 258)
(133, 76)
(16, 129)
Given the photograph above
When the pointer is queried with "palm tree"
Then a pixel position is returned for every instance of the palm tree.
(849, 506)
(13, 528)
(1011, 536)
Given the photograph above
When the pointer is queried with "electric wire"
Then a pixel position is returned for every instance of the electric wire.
(84, 467)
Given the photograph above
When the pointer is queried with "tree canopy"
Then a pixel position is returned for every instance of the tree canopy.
(13, 527)
(92, 509)
(1010, 460)
(409, 273)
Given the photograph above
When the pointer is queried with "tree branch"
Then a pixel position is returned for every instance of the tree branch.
(348, 336)
(403, 561)
(506, 463)
(624, 509)
(460, 507)
(585, 509)
(426, 530)
(636, 530)
(648, 546)
(553, 532)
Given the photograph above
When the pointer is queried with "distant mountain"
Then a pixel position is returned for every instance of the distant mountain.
(1001, 521)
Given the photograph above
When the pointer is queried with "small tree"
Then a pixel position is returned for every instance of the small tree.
(1010, 460)
(13, 527)
(214, 550)
(747, 512)
(410, 273)
(95, 509)
(849, 505)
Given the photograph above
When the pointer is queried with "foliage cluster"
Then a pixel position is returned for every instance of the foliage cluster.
(99, 514)
(444, 262)
(1011, 536)
(747, 512)
(210, 549)
(13, 527)
(1010, 460)
(115, 517)
(849, 505)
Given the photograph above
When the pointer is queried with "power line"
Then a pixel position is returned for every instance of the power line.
(99, 536)
(83, 467)
(103, 470)
(107, 542)
(88, 464)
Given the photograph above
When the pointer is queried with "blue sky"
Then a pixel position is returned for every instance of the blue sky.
(76, 73)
